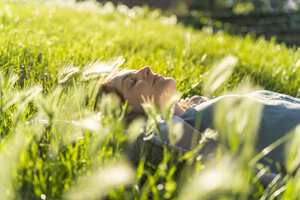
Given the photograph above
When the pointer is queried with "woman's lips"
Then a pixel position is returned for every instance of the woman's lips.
(156, 77)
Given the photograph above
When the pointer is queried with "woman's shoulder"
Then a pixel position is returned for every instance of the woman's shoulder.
(265, 97)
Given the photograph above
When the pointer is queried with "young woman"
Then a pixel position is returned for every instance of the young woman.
(280, 113)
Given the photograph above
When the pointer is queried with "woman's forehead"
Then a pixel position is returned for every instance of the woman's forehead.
(122, 73)
(125, 72)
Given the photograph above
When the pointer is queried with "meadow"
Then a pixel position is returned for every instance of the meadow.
(53, 146)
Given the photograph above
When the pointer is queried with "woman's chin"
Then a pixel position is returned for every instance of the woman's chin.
(170, 82)
(172, 85)
(167, 90)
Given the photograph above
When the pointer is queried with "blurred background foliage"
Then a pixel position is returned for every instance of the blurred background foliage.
(54, 147)
(279, 18)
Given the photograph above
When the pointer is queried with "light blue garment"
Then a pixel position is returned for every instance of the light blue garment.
(280, 114)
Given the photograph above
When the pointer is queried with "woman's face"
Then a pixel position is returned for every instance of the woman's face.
(133, 84)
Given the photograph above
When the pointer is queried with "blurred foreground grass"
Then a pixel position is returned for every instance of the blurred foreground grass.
(73, 155)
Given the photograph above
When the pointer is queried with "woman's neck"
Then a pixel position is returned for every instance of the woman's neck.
(178, 110)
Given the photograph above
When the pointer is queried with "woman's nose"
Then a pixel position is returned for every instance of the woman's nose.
(145, 71)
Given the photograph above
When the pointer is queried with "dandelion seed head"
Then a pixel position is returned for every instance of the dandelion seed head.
(198, 158)
(43, 197)
(160, 186)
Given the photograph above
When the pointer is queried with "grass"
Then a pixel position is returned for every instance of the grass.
(43, 43)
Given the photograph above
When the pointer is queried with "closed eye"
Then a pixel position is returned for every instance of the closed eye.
(133, 82)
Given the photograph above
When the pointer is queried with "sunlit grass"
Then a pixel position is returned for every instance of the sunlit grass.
(54, 146)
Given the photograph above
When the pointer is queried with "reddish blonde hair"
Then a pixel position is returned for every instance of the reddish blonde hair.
(184, 105)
